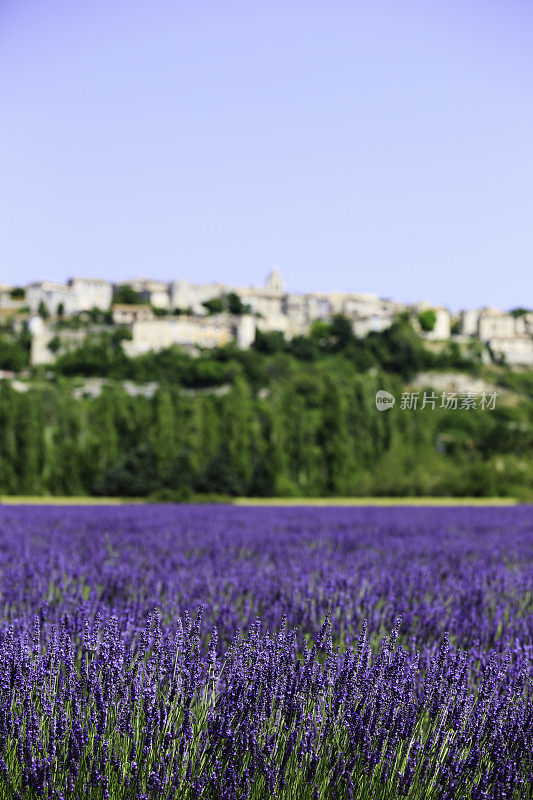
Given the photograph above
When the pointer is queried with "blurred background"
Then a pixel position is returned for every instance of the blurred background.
(225, 227)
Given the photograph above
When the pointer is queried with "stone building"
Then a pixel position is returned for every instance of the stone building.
(185, 295)
(190, 332)
(156, 293)
(375, 322)
(91, 293)
(266, 302)
(469, 321)
(443, 324)
(367, 312)
(517, 350)
(42, 336)
(12, 304)
(443, 321)
(493, 323)
(357, 306)
(271, 308)
(127, 313)
(52, 295)
(301, 310)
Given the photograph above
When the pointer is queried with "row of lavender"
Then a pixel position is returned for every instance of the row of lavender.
(108, 689)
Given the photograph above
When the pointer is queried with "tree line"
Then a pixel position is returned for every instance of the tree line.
(298, 429)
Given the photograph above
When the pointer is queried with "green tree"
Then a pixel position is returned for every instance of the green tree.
(341, 331)
(98, 315)
(300, 419)
(181, 474)
(427, 319)
(399, 350)
(64, 462)
(163, 434)
(303, 348)
(214, 306)
(279, 426)
(29, 443)
(104, 442)
(54, 344)
(235, 304)
(269, 342)
(134, 474)
(13, 354)
(120, 334)
(236, 429)
(201, 431)
(320, 332)
(127, 295)
(8, 442)
(333, 439)
(275, 450)
(220, 476)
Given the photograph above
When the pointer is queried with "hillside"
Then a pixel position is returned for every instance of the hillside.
(280, 419)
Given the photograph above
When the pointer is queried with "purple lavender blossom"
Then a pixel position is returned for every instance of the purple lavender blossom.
(186, 652)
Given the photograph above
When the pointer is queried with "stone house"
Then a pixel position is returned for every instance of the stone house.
(52, 295)
(190, 332)
(91, 293)
(127, 313)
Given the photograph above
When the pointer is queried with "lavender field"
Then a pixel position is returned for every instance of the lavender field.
(225, 652)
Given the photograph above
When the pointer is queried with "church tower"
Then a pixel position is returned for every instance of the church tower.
(274, 282)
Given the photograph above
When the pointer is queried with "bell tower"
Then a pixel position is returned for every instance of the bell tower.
(274, 282)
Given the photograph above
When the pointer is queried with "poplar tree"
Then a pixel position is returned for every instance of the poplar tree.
(163, 434)
(333, 439)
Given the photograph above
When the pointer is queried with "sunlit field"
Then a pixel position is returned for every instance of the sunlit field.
(274, 501)
(220, 651)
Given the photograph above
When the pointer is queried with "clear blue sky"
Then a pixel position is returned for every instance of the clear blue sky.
(371, 146)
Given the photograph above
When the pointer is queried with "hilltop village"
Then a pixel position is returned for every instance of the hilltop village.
(157, 315)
